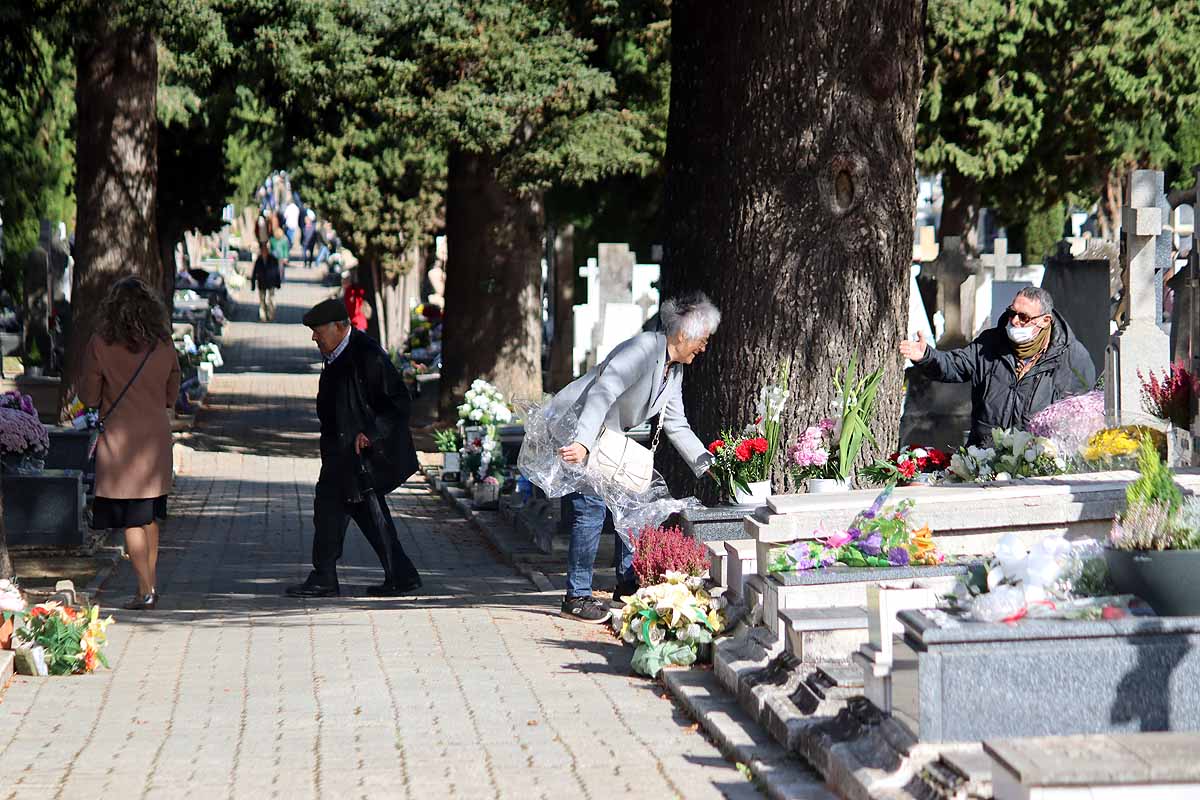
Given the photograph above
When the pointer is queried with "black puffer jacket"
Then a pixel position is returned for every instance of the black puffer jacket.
(998, 399)
(362, 392)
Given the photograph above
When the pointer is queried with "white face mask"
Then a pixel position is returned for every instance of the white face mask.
(1022, 335)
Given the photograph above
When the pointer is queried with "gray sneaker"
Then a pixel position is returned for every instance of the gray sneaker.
(584, 609)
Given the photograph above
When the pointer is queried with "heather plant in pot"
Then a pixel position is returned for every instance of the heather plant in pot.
(1154, 545)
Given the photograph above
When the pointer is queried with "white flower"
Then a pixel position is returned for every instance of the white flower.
(479, 384)
(657, 635)
(920, 452)
(471, 395)
(1003, 476)
(995, 577)
(475, 415)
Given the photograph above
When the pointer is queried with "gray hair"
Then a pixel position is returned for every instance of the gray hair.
(691, 314)
(1039, 295)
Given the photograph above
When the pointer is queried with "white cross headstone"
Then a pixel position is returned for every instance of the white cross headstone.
(999, 260)
(1140, 344)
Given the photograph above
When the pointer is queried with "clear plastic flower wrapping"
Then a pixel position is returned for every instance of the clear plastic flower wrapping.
(546, 431)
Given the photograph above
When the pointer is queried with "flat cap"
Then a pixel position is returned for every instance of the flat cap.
(326, 311)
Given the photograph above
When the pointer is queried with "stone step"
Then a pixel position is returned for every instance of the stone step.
(1148, 766)
(823, 634)
(779, 772)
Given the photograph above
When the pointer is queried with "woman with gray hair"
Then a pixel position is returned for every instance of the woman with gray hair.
(642, 377)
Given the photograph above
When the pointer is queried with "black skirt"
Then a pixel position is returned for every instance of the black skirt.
(116, 513)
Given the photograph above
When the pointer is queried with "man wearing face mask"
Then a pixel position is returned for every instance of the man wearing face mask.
(1028, 361)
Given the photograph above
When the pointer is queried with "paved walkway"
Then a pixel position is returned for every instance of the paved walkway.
(474, 688)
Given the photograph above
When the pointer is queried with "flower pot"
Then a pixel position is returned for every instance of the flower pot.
(826, 485)
(1166, 579)
(757, 496)
(6, 633)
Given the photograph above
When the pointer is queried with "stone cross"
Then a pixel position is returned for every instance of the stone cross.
(951, 270)
(646, 302)
(925, 249)
(999, 260)
(1140, 344)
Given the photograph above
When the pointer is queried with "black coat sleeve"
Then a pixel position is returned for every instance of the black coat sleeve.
(387, 397)
(951, 366)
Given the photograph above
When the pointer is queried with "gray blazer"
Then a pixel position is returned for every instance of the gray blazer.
(620, 394)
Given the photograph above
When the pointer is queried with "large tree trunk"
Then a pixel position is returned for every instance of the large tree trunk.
(116, 146)
(562, 349)
(493, 326)
(789, 198)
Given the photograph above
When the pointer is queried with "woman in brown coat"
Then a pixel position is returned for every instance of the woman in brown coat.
(131, 353)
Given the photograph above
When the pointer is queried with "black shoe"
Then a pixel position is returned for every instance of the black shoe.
(311, 589)
(584, 609)
(389, 589)
(625, 590)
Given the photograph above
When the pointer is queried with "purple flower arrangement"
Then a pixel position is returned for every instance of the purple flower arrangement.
(21, 433)
(19, 402)
(880, 536)
(1071, 422)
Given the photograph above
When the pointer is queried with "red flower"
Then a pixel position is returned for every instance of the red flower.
(744, 451)
(939, 458)
(715, 446)
(760, 445)
(907, 467)
(39, 611)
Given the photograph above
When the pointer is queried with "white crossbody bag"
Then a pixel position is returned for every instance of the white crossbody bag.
(623, 461)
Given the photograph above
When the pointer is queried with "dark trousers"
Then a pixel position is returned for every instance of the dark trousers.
(331, 516)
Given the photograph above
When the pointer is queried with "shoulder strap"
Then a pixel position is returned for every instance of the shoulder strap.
(137, 372)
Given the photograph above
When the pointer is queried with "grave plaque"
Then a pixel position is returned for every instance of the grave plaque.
(1081, 288)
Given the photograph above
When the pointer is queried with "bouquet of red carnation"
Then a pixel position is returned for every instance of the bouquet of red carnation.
(739, 461)
(1169, 397)
(903, 466)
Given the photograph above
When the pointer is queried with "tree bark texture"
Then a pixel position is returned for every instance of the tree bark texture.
(562, 349)
(493, 325)
(6, 565)
(789, 199)
(117, 174)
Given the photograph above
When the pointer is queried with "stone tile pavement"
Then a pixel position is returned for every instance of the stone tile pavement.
(473, 688)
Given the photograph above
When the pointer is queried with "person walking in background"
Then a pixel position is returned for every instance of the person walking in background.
(366, 452)
(309, 237)
(291, 220)
(281, 249)
(355, 299)
(266, 278)
(130, 373)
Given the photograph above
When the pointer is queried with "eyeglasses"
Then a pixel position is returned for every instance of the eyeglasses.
(1021, 318)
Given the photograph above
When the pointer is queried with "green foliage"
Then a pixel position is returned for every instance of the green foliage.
(1155, 485)
(37, 152)
(649, 659)
(447, 440)
(857, 395)
(1037, 101)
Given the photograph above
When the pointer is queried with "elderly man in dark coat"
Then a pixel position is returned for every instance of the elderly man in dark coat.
(366, 452)
(1030, 359)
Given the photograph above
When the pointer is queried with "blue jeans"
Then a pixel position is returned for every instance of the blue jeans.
(586, 518)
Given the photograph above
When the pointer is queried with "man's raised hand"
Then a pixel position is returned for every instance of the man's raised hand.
(914, 351)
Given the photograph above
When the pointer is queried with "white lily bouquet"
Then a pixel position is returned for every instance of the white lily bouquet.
(484, 405)
(669, 621)
(1014, 454)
